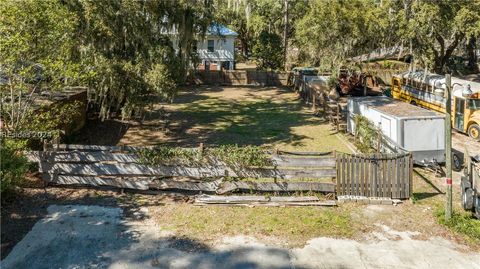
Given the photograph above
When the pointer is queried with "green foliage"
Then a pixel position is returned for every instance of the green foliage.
(249, 18)
(242, 156)
(332, 82)
(54, 119)
(161, 81)
(269, 51)
(365, 134)
(460, 222)
(333, 31)
(36, 42)
(231, 155)
(13, 165)
(120, 49)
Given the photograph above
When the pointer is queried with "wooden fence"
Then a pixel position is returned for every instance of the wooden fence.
(375, 175)
(121, 167)
(239, 77)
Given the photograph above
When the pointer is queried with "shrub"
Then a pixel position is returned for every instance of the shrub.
(460, 222)
(269, 51)
(13, 164)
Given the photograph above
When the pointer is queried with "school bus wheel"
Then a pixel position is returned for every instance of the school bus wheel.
(474, 131)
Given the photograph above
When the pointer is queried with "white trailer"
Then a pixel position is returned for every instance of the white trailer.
(411, 128)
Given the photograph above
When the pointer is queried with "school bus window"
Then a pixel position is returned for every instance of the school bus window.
(474, 104)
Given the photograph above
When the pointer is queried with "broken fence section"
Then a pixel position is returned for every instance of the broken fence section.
(369, 175)
(121, 167)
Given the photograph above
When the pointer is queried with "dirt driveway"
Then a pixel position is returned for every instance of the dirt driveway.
(79, 236)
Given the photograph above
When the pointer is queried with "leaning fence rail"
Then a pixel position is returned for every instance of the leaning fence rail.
(122, 167)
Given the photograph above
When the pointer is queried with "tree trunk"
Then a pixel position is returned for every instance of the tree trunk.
(471, 55)
(244, 48)
(442, 57)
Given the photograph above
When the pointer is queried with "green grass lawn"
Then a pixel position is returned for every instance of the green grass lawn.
(296, 225)
(268, 116)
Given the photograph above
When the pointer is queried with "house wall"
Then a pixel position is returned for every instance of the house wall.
(223, 52)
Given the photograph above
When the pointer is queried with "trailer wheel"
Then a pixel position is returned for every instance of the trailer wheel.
(477, 207)
(474, 131)
(468, 199)
(457, 163)
(464, 184)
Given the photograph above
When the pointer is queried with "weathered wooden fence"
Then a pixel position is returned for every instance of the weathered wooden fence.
(239, 77)
(375, 175)
(121, 167)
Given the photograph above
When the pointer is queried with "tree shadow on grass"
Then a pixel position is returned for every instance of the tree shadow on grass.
(218, 121)
(260, 115)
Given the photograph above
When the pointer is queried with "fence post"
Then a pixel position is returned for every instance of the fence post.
(338, 117)
(314, 104)
(200, 149)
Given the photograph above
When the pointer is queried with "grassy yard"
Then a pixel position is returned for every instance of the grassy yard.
(269, 116)
(292, 225)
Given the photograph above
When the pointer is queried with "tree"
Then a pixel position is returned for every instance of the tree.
(109, 46)
(35, 47)
(250, 18)
(437, 28)
(269, 51)
(333, 31)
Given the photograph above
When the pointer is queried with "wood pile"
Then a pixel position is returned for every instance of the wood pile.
(261, 201)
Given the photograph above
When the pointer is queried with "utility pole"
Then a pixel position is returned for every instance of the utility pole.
(448, 146)
(285, 37)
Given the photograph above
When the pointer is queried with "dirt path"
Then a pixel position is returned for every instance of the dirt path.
(94, 236)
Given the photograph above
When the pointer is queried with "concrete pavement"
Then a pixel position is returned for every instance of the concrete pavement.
(98, 237)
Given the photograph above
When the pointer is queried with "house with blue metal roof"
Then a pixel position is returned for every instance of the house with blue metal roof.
(217, 50)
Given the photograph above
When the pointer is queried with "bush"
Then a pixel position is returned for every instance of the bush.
(269, 51)
(365, 134)
(461, 222)
(13, 164)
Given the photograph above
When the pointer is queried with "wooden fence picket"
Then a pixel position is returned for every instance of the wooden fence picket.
(375, 175)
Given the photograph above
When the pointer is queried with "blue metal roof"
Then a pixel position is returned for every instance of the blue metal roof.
(221, 30)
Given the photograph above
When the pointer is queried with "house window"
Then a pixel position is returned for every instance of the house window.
(211, 46)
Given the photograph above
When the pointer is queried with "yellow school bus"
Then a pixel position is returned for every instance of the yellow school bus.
(418, 88)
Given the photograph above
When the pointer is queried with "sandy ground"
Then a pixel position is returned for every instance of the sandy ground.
(461, 142)
(100, 237)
